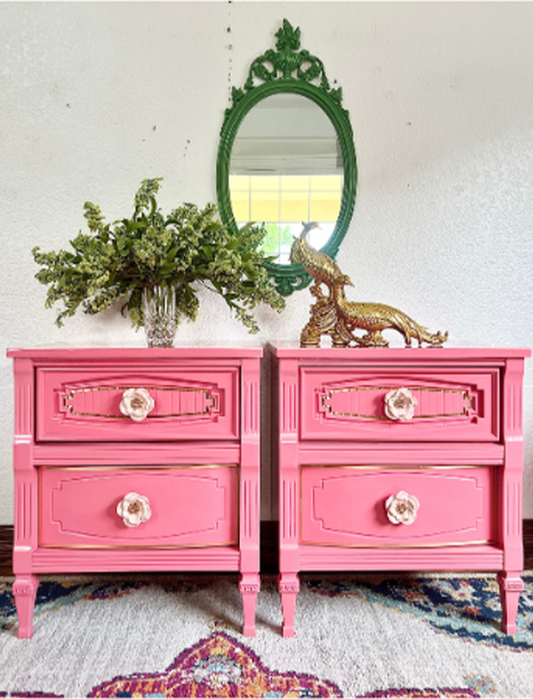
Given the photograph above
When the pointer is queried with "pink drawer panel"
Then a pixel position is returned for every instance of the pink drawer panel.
(190, 506)
(349, 404)
(84, 404)
(347, 506)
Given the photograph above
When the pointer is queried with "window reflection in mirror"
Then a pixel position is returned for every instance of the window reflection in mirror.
(286, 168)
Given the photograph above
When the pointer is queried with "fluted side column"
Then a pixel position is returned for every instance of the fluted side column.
(510, 515)
(249, 491)
(25, 542)
(289, 491)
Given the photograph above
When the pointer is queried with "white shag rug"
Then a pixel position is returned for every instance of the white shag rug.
(357, 636)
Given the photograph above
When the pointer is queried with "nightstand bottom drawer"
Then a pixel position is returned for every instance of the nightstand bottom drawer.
(138, 507)
(397, 506)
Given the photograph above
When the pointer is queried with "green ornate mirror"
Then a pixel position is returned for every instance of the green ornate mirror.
(286, 156)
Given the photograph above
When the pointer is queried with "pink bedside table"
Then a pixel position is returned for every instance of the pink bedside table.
(189, 468)
(426, 479)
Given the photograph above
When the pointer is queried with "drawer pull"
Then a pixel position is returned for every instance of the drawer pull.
(134, 509)
(400, 404)
(136, 403)
(402, 508)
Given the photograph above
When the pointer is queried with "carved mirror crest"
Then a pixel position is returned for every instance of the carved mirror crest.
(286, 156)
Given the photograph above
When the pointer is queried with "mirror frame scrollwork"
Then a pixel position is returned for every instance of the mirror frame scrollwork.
(289, 70)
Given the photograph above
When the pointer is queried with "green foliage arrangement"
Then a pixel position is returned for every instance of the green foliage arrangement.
(185, 250)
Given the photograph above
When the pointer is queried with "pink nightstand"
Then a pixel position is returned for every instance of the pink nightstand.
(181, 455)
(372, 477)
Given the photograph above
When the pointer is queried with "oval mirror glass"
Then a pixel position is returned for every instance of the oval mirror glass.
(286, 169)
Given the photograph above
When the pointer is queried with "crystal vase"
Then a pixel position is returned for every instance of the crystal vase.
(159, 307)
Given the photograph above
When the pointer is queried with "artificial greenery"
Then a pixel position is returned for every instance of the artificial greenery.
(185, 250)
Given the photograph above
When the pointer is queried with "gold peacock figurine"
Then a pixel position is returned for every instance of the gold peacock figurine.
(376, 317)
(320, 266)
(334, 315)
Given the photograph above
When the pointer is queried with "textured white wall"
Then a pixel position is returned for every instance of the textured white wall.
(97, 96)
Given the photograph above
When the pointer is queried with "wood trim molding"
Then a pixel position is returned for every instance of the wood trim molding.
(269, 547)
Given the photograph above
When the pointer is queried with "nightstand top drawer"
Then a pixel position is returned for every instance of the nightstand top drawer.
(110, 403)
(353, 403)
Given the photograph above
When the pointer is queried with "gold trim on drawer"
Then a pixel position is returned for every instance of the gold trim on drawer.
(328, 410)
(401, 546)
(147, 547)
(233, 542)
(492, 540)
(143, 467)
(399, 467)
(207, 410)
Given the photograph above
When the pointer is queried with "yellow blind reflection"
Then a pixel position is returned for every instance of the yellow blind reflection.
(264, 206)
(328, 183)
(286, 198)
(294, 183)
(324, 207)
(240, 202)
(294, 207)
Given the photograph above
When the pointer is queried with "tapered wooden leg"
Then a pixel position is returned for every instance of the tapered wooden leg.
(289, 586)
(511, 585)
(249, 586)
(25, 591)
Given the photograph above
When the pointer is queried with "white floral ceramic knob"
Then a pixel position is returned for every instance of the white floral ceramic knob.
(134, 509)
(400, 404)
(136, 403)
(402, 508)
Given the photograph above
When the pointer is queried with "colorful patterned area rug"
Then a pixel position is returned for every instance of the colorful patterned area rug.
(179, 636)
